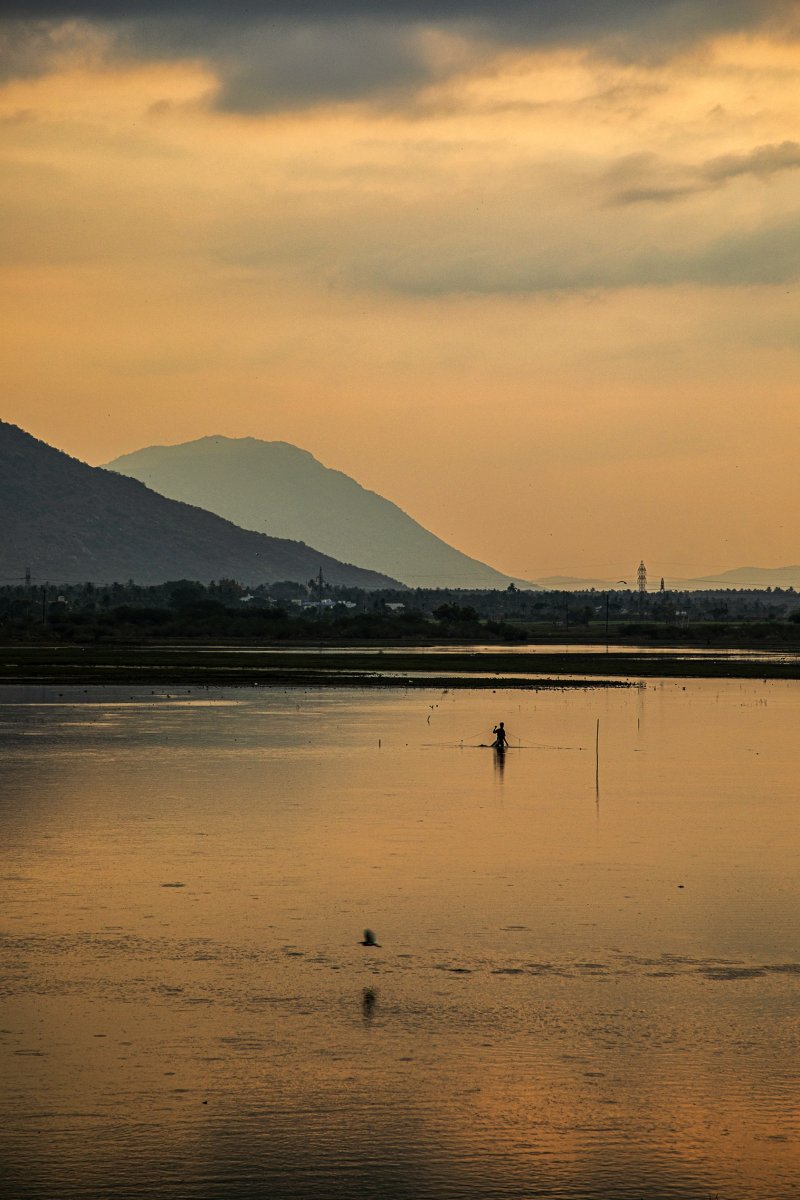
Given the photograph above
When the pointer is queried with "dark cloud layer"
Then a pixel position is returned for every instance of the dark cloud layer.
(532, 13)
(279, 53)
(515, 20)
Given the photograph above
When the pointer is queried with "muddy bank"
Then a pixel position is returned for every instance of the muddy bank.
(276, 667)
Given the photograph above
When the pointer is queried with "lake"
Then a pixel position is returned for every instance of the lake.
(588, 975)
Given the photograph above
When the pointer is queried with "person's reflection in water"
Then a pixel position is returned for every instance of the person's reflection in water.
(369, 999)
(499, 761)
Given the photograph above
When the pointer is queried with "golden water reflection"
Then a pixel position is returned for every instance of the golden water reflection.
(587, 983)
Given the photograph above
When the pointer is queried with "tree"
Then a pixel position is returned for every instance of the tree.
(228, 591)
(185, 592)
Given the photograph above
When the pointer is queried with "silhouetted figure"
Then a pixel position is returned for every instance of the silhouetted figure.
(368, 1001)
(369, 939)
(500, 740)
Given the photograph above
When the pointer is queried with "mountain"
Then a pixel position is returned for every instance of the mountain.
(571, 583)
(72, 523)
(753, 577)
(741, 578)
(279, 489)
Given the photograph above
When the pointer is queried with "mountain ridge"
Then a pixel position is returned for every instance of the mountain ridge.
(76, 523)
(283, 489)
(759, 576)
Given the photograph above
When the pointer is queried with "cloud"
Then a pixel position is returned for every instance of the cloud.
(763, 162)
(288, 64)
(646, 178)
(30, 48)
(292, 53)
(540, 16)
(586, 263)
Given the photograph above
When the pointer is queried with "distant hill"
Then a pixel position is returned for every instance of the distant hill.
(72, 523)
(571, 583)
(742, 578)
(752, 577)
(279, 489)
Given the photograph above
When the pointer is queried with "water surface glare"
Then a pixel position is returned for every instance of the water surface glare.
(588, 975)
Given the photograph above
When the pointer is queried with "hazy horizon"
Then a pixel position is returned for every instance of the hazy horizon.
(612, 579)
(530, 277)
(569, 577)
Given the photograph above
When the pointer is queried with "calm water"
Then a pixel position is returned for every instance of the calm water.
(586, 987)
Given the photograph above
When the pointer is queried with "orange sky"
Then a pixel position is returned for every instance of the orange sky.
(539, 290)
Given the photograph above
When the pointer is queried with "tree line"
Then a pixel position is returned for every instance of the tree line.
(292, 611)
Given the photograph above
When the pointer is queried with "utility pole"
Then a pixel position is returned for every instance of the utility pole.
(321, 585)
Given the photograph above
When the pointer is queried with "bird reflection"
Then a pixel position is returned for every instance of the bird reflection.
(369, 999)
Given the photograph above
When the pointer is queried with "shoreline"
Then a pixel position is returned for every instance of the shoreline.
(271, 666)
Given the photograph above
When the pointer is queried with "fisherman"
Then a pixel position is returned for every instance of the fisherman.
(500, 739)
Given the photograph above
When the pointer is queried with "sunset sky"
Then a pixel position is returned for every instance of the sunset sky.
(527, 269)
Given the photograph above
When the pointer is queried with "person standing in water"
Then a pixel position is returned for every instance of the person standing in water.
(500, 739)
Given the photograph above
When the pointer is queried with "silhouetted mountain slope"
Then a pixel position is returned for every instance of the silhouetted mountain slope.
(71, 522)
(279, 489)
